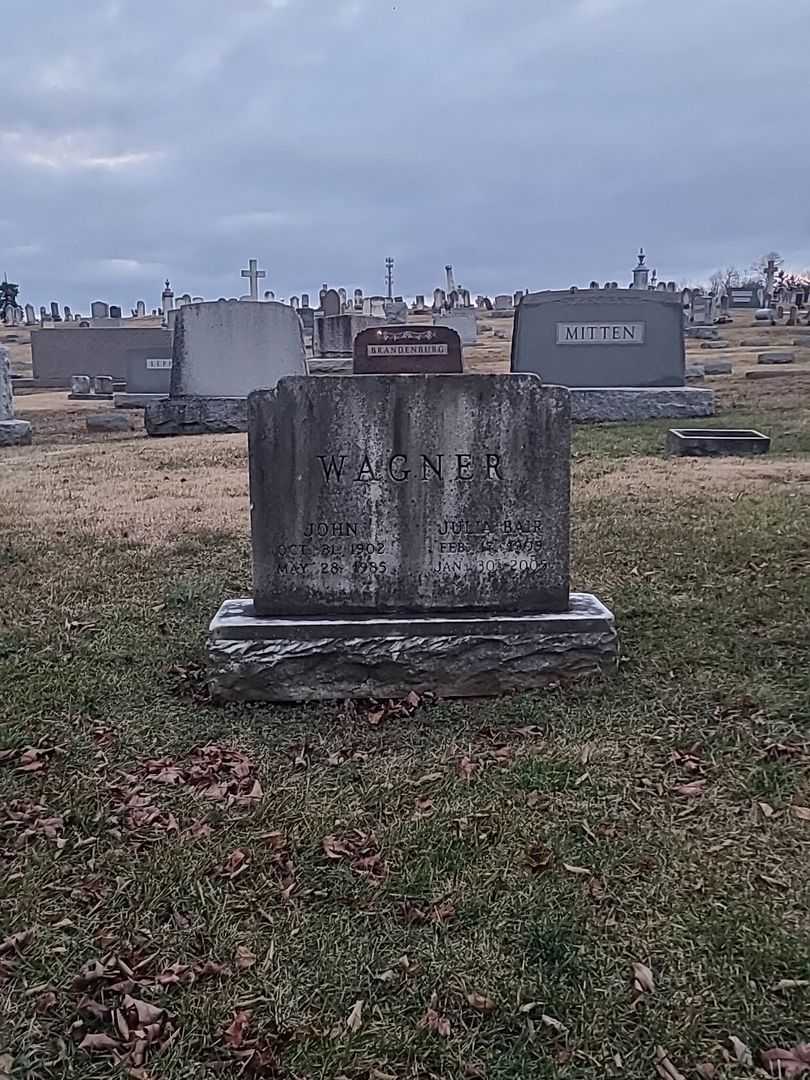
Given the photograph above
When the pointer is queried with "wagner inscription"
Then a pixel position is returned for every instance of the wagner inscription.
(401, 467)
(596, 333)
(410, 493)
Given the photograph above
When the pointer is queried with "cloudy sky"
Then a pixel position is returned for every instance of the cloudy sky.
(532, 143)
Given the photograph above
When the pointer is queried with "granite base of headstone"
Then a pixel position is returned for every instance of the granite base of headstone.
(410, 532)
(13, 432)
(221, 352)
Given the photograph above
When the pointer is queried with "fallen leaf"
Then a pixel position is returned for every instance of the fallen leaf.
(235, 1032)
(145, 1013)
(244, 957)
(643, 980)
(235, 864)
(664, 1067)
(354, 1021)
(787, 1063)
(6, 1060)
(45, 1002)
(93, 1008)
(706, 1071)
(553, 1023)
(741, 1052)
(100, 1042)
(466, 768)
(766, 809)
(16, 941)
(691, 791)
(539, 857)
(480, 1002)
(433, 1021)
(801, 812)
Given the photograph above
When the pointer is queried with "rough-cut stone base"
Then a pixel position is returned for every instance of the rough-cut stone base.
(136, 401)
(15, 433)
(330, 365)
(286, 659)
(598, 404)
(196, 416)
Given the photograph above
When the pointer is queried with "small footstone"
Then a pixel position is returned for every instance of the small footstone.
(695, 371)
(15, 433)
(716, 442)
(776, 358)
(105, 422)
(715, 345)
(718, 367)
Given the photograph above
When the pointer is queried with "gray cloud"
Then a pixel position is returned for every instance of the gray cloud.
(534, 143)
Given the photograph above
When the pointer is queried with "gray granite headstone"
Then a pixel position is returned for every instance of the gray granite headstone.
(331, 302)
(410, 494)
(334, 335)
(12, 432)
(601, 338)
(222, 351)
(225, 349)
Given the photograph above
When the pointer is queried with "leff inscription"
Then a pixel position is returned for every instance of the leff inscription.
(456, 545)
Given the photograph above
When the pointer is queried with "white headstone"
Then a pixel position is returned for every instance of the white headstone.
(227, 349)
(99, 310)
(30, 315)
(140, 309)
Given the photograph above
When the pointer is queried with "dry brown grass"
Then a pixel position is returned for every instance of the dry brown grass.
(681, 477)
(148, 492)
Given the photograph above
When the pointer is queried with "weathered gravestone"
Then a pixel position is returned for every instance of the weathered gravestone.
(744, 298)
(403, 350)
(463, 321)
(333, 341)
(620, 351)
(330, 302)
(503, 308)
(409, 532)
(222, 351)
(12, 432)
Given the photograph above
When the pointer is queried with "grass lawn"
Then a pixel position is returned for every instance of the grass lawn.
(608, 880)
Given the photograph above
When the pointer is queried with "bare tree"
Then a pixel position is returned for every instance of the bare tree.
(726, 279)
(760, 265)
